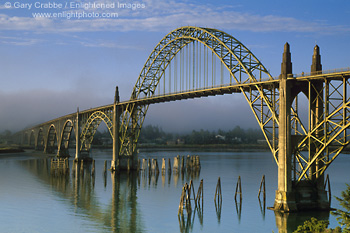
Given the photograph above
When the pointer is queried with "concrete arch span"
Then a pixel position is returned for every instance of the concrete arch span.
(89, 129)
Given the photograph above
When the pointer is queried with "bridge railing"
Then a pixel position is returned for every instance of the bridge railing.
(203, 88)
(322, 72)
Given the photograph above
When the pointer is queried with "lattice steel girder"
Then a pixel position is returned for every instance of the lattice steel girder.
(327, 138)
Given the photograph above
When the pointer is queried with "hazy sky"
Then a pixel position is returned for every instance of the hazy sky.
(51, 66)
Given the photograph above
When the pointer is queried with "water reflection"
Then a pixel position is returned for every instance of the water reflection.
(289, 222)
(120, 215)
(75, 183)
(239, 209)
(125, 216)
(149, 173)
(262, 207)
(143, 202)
(186, 221)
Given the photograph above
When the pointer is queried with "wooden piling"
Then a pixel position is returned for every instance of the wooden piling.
(188, 199)
(176, 165)
(185, 200)
(197, 163)
(200, 195)
(182, 165)
(328, 183)
(182, 198)
(155, 167)
(163, 166)
(191, 191)
(149, 166)
(188, 163)
(138, 165)
(169, 166)
(144, 165)
(218, 191)
(105, 167)
(93, 168)
(262, 185)
(193, 162)
(238, 189)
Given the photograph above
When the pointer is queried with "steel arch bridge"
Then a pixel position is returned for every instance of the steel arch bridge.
(242, 66)
(191, 62)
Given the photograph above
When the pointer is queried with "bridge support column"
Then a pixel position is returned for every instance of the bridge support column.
(77, 137)
(285, 196)
(317, 105)
(115, 161)
(119, 162)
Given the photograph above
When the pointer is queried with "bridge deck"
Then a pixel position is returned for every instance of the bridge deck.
(211, 91)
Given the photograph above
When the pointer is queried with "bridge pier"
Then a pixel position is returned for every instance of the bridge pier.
(308, 194)
(77, 136)
(285, 195)
(115, 161)
(120, 162)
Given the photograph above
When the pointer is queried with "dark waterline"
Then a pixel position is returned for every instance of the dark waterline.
(32, 200)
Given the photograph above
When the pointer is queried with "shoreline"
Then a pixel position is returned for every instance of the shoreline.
(212, 147)
(11, 150)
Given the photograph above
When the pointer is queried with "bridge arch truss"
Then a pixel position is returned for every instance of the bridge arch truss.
(242, 66)
(90, 124)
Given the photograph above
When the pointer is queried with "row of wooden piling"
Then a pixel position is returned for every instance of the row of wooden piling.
(186, 197)
(185, 200)
(59, 167)
(180, 164)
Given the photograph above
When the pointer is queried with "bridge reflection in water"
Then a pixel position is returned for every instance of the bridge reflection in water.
(76, 184)
(122, 212)
(119, 215)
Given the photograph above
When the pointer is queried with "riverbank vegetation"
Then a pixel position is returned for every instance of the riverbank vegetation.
(343, 217)
(155, 136)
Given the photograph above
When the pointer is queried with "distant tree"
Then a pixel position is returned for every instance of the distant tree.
(97, 138)
(343, 216)
(150, 133)
(155, 134)
(7, 133)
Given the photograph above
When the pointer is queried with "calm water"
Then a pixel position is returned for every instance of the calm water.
(32, 200)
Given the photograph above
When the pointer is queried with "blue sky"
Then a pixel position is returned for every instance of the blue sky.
(51, 66)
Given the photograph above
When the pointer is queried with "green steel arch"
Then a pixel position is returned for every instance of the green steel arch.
(90, 128)
(241, 63)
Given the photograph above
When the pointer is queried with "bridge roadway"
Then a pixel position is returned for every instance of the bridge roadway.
(212, 91)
